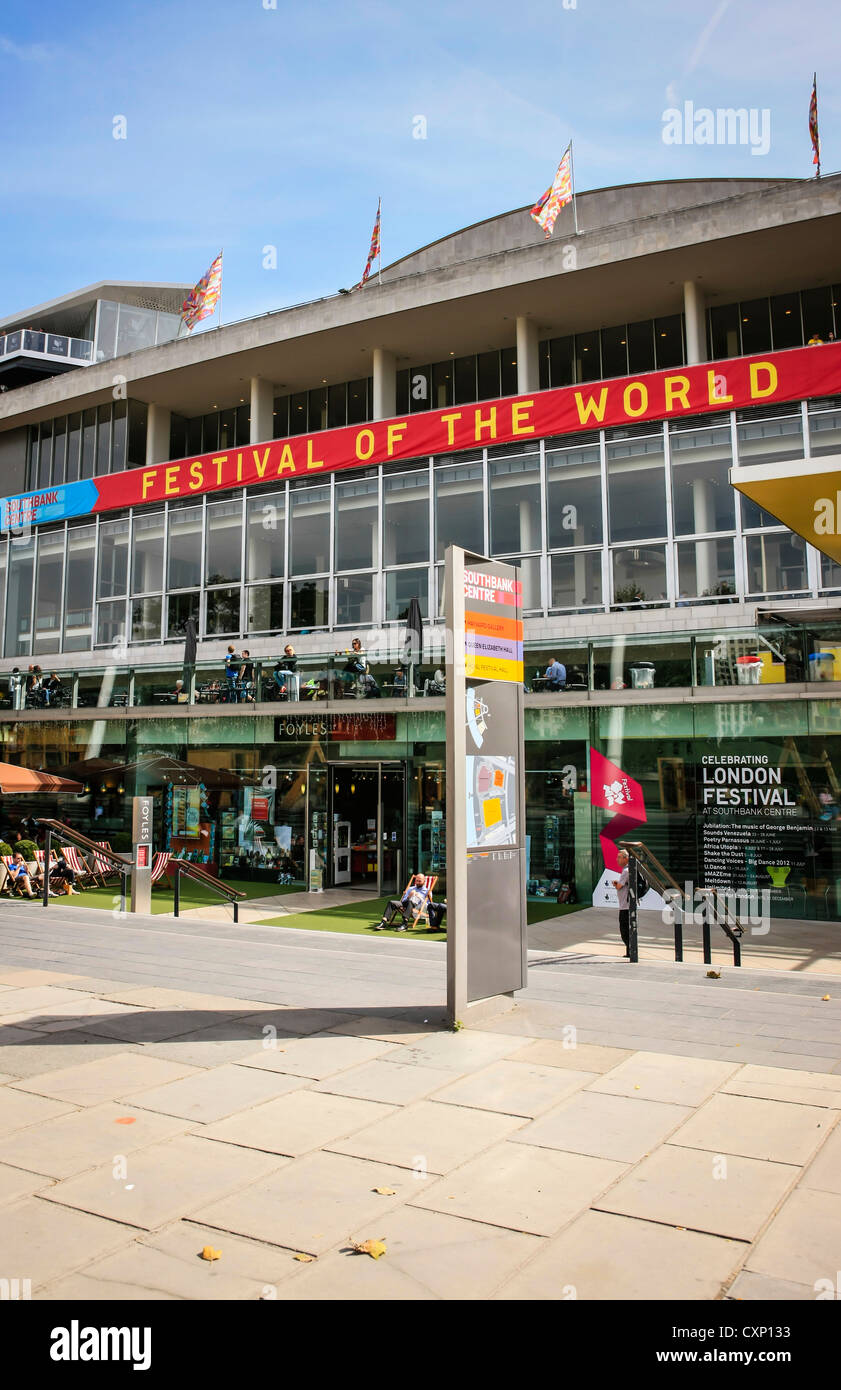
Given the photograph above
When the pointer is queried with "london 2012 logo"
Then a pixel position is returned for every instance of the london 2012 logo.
(477, 716)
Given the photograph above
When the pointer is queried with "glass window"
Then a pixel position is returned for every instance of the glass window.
(210, 433)
(336, 406)
(465, 379)
(194, 436)
(577, 580)
(508, 381)
(227, 429)
(406, 518)
(756, 325)
(705, 569)
(459, 508)
(45, 454)
(668, 341)
(222, 608)
(776, 437)
(136, 448)
(562, 361)
(19, 610)
(224, 541)
(147, 560)
(588, 361)
(242, 428)
(725, 339)
(419, 387)
(265, 539)
(88, 443)
(636, 482)
(639, 575)
(702, 497)
(280, 428)
(357, 401)
(32, 457)
(615, 351)
(574, 485)
(529, 572)
(119, 432)
(400, 587)
(487, 376)
(309, 530)
(515, 504)
(640, 347)
(78, 597)
(817, 313)
(146, 620)
(184, 558)
(309, 604)
(776, 563)
(402, 388)
(106, 330)
(298, 413)
(136, 329)
(48, 576)
(264, 607)
(786, 329)
(354, 600)
(103, 440)
(110, 623)
(74, 430)
(825, 427)
(317, 409)
(830, 573)
(357, 511)
(180, 607)
(113, 558)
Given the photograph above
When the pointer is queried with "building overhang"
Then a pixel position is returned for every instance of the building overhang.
(804, 496)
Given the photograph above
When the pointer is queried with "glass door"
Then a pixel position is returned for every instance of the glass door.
(393, 869)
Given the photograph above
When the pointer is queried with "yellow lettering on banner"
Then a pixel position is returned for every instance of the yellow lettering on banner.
(713, 378)
(196, 476)
(591, 408)
(677, 389)
(287, 461)
(479, 424)
(394, 435)
(219, 460)
(261, 464)
(364, 444)
(642, 391)
(171, 480)
(450, 421)
(756, 390)
(311, 462)
(148, 479)
(519, 418)
(239, 468)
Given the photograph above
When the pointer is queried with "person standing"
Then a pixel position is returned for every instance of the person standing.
(231, 673)
(623, 892)
(246, 677)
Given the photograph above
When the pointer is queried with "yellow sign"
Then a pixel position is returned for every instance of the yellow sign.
(805, 497)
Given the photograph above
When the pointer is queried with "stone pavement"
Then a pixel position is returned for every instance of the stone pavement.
(623, 1132)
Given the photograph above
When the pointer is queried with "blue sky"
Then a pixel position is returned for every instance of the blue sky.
(250, 126)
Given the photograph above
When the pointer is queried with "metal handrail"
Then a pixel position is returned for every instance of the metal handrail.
(75, 837)
(199, 875)
(667, 886)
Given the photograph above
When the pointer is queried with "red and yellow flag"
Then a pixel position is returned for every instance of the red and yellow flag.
(203, 297)
(546, 209)
(813, 124)
(374, 249)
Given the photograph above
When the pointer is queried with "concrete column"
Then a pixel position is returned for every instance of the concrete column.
(529, 526)
(157, 434)
(262, 410)
(704, 518)
(528, 356)
(696, 328)
(385, 384)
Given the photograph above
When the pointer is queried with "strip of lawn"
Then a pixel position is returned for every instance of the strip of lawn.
(361, 918)
(192, 894)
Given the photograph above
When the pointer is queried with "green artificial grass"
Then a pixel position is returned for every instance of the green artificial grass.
(192, 895)
(358, 919)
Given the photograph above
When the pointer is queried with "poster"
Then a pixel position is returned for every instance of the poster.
(186, 812)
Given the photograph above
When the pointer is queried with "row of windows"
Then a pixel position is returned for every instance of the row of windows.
(103, 439)
(635, 515)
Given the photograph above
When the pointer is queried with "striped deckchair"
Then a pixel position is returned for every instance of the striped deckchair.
(422, 914)
(10, 883)
(78, 864)
(102, 868)
(160, 864)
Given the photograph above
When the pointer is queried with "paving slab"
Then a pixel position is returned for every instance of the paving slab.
(157, 997)
(548, 1052)
(312, 1203)
(35, 999)
(108, 1078)
(428, 1137)
(23, 977)
(777, 1130)
(465, 1051)
(803, 1242)
(608, 1258)
(168, 1265)
(748, 1287)
(772, 1083)
(42, 1242)
(316, 1057)
(522, 1188)
(205, 1047)
(654, 1076)
(206, 1096)
(611, 1127)
(153, 1025)
(391, 1029)
(16, 1182)
(691, 1188)
(429, 1256)
(34, 1054)
(19, 1111)
(81, 1139)
(165, 1182)
(293, 1124)
(515, 1088)
(82, 1012)
(824, 1172)
(390, 1082)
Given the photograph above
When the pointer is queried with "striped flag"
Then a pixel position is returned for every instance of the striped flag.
(203, 297)
(374, 249)
(546, 209)
(813, 124)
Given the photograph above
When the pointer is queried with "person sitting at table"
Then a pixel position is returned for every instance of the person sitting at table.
(179, 694)
(286, 666)
(53, 690)
(356, 664)
(18, 872)
(556, 675)
(398, 684)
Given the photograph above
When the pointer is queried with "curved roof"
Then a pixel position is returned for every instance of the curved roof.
(69, 312)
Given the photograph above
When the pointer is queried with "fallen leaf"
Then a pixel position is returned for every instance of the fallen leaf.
(208, 1253)
(126, 1120)
(713, 974)
(386, 1191)
(374, 1248)
(305, 1259)
(636, 1088)
(826, 996)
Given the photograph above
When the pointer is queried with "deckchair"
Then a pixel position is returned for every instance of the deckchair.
(102, 868)
(78, 864)
(160, 864)
(421, 914)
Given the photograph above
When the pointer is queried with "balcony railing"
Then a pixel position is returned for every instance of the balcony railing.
(52, 347)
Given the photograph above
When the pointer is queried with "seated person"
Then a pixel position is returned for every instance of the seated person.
(408, 907)
(556, 676)
(179, 694)
(64, 879)
(399, 683)
(285, 674)
(53, 690)
(438, 683)
(368, 688)
(18, 872)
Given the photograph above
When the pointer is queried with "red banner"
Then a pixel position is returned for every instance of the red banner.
(765, 379)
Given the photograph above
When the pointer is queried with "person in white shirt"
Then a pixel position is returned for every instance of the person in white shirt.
(622, 887)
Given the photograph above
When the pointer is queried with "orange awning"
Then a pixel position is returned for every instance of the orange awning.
(24, 779)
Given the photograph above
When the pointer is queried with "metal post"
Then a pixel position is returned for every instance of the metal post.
(705, 928)
(633, 943)
(177, 893)
(124, 882)
(737, 950)
(47, 854)
(236, 910)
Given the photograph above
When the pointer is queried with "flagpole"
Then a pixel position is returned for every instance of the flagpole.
(817, 125)
(572, 178)
(221, 268)
(380, 224)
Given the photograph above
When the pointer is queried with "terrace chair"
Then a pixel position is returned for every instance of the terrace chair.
(10, 883)
(40, 856)
(160, 865)
(102, 868)
(422, 913)
(78, 864)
